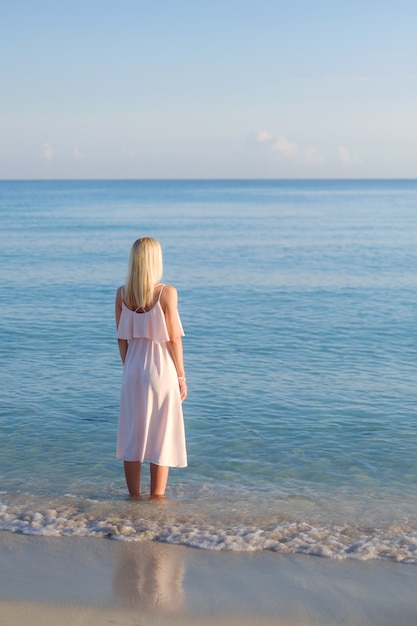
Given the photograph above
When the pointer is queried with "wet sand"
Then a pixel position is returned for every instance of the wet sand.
(83, 581)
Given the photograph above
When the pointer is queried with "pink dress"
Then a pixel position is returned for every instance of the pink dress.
(151, 423)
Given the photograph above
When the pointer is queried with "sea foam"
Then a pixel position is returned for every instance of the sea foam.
(147, 521)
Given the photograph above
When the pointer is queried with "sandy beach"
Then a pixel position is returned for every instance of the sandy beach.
(83, 581)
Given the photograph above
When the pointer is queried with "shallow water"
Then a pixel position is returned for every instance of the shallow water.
(298, 303)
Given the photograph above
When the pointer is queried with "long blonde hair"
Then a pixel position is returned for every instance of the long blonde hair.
(144, 272)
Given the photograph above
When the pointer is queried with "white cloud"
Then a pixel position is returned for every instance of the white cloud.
(346, 157)
(77, 153)
(287, 148)
(129, 153)
(296, 153)
(263, 135)
(48, 151)
(311, 155)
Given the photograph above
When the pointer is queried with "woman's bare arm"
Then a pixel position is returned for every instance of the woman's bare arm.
(118, 310)
(169, 303)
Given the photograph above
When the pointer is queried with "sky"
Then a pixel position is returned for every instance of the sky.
(219, 89)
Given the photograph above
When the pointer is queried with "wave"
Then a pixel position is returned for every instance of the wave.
(201, 526)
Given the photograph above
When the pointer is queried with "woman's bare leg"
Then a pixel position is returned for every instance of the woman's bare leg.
(132, 475)
(159, 479)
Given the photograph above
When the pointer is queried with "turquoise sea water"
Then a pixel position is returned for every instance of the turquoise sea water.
(298, 300)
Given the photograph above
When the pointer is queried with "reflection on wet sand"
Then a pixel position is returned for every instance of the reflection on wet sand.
(149, 578)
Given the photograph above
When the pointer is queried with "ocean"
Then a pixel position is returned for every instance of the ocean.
(298, 301)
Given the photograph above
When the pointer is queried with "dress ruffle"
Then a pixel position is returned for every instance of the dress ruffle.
(149, 325)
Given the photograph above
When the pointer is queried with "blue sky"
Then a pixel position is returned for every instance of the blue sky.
(181, 89)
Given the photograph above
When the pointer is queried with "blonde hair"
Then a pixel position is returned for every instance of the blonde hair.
(144, 272)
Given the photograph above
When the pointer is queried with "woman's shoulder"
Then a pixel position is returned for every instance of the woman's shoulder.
(169, 296)
(119, 294)
(168, 289)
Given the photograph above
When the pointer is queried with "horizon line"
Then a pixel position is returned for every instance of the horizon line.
(207, 179)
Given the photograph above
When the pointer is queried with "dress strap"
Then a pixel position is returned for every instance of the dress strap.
(159, 297)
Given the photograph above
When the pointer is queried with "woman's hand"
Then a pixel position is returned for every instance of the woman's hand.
(183, 387)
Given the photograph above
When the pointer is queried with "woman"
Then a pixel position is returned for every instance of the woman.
(149, 331)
